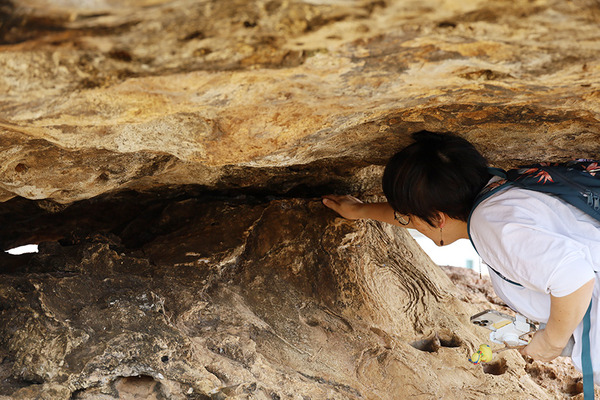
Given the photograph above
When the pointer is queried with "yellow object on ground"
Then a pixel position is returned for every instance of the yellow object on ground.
(484, 354)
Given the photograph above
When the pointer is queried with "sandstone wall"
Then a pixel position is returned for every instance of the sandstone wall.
(168, 156)
(273, 300)
(280, 94)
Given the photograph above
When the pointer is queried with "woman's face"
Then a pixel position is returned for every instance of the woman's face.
(423, 227)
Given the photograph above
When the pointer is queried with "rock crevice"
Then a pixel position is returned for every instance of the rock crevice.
(168, 157)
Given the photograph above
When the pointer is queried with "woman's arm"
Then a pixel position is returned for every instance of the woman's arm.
(565, 314)
(352, 208)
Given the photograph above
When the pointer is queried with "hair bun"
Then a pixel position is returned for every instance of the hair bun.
(429, 137)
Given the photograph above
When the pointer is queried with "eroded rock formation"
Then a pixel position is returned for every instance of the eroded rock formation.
(277, 299)
(280, 94)
(168, 156)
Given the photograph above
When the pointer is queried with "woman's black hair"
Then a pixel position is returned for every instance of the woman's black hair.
(439, 172)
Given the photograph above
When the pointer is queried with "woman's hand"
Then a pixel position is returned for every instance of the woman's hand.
(347, 206)
(540, 348)
(352, 208)
(566, 313)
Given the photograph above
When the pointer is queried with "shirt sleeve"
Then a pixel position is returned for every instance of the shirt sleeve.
(561, 282)
(525, 239)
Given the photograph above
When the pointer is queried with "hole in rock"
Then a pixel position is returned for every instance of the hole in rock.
(194, 35)
(495, 368)
(574, 387)
(447, 24)
(539, 371)
(449, 339)
(28, 248)
(441, 339)
(142, 386)
(78, 394)
(430, 345)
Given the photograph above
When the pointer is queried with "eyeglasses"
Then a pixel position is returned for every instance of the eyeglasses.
(401, 218)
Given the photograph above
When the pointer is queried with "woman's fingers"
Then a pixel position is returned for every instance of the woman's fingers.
(347, 206)
(331, 202)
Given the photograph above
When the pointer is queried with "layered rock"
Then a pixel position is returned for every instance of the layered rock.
(216, 300)
(168, 157)
(280, 94)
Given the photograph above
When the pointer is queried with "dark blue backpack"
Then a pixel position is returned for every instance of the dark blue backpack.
(575, 182)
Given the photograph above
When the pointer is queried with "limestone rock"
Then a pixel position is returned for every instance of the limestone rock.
(297, 304)
(279, 95)
(166, 155)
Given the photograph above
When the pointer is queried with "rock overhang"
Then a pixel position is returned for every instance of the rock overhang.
(106, 98)
(169, 156)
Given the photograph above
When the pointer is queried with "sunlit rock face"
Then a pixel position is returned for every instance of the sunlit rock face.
(102, 95)
(169, 156)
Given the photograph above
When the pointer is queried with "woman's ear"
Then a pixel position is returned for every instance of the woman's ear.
(442, 219)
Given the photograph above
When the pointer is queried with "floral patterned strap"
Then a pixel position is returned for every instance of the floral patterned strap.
(543, 171)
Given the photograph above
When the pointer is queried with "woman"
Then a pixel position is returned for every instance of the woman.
(548, 246)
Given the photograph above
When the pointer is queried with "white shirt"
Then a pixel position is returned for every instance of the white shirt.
(547, 246)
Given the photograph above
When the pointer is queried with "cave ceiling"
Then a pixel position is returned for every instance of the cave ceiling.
(282, 97)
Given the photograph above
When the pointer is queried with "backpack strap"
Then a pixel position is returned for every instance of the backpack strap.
(493, 187)
(486, 192)
(504, 278)
(586, 357)
(576, 182)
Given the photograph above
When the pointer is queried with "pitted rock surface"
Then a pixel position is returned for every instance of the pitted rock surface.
(168, 157)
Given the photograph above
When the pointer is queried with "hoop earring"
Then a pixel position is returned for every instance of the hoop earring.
(441, 238)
